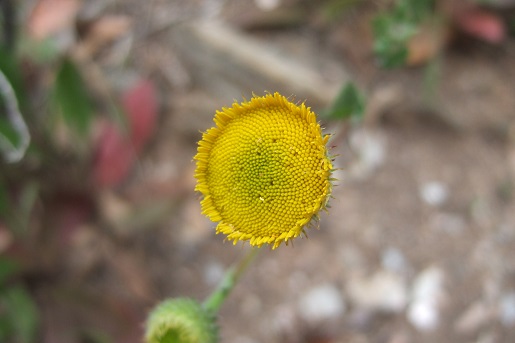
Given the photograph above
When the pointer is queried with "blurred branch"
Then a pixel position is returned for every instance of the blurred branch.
(13, 153)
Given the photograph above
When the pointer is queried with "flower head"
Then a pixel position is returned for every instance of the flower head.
(264, 170)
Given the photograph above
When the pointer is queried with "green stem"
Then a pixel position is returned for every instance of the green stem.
(230, 279)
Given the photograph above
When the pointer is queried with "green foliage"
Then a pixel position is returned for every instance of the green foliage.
(7, 131)
(20, 320)
(10, 136)
(10, 67)
(349, 104)
(19, 317)
(7, 268)
(27, 100)
(72, 98)
(393, 30)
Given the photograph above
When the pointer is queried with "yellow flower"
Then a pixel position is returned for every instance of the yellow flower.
(264, 170)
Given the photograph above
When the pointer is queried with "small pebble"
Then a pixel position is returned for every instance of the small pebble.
(371, 150)
(434, 193)
(507, 309)
(383, 291)
(213, 273)
(392, 259)
(267, 5)
(321, 303)
(427, 299)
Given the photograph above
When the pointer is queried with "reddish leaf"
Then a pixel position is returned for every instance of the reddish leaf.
(116, 152)
(140, 104)
(114, 157)
(481, 24)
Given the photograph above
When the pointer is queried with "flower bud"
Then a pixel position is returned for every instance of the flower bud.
(180, 320)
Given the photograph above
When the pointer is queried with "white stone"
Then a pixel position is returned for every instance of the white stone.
(267, 5)
(383, 291)
(427, 299)
(507, 309)
(213, 273)
(392, 259)
(423, 315)
(371, 151)
(434, 193)
(321, 303)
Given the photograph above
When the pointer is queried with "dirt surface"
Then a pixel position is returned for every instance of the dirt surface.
(419, 242)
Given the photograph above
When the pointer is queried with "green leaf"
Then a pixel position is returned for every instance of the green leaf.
(11, 69)
(14, 137)
(72, 98)
(22, 313)
(420, 9)
(5, 329)
(391, 40)
(7, 131)
(349, 103)
(7, 268)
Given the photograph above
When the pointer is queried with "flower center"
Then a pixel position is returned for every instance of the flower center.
(268, 171)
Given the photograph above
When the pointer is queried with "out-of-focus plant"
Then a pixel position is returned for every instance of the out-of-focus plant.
(19, 318)
(393, 30)
(56, 150)
(415, 32)
(28, 156)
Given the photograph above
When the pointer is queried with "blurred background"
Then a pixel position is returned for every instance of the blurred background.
(102, 105)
